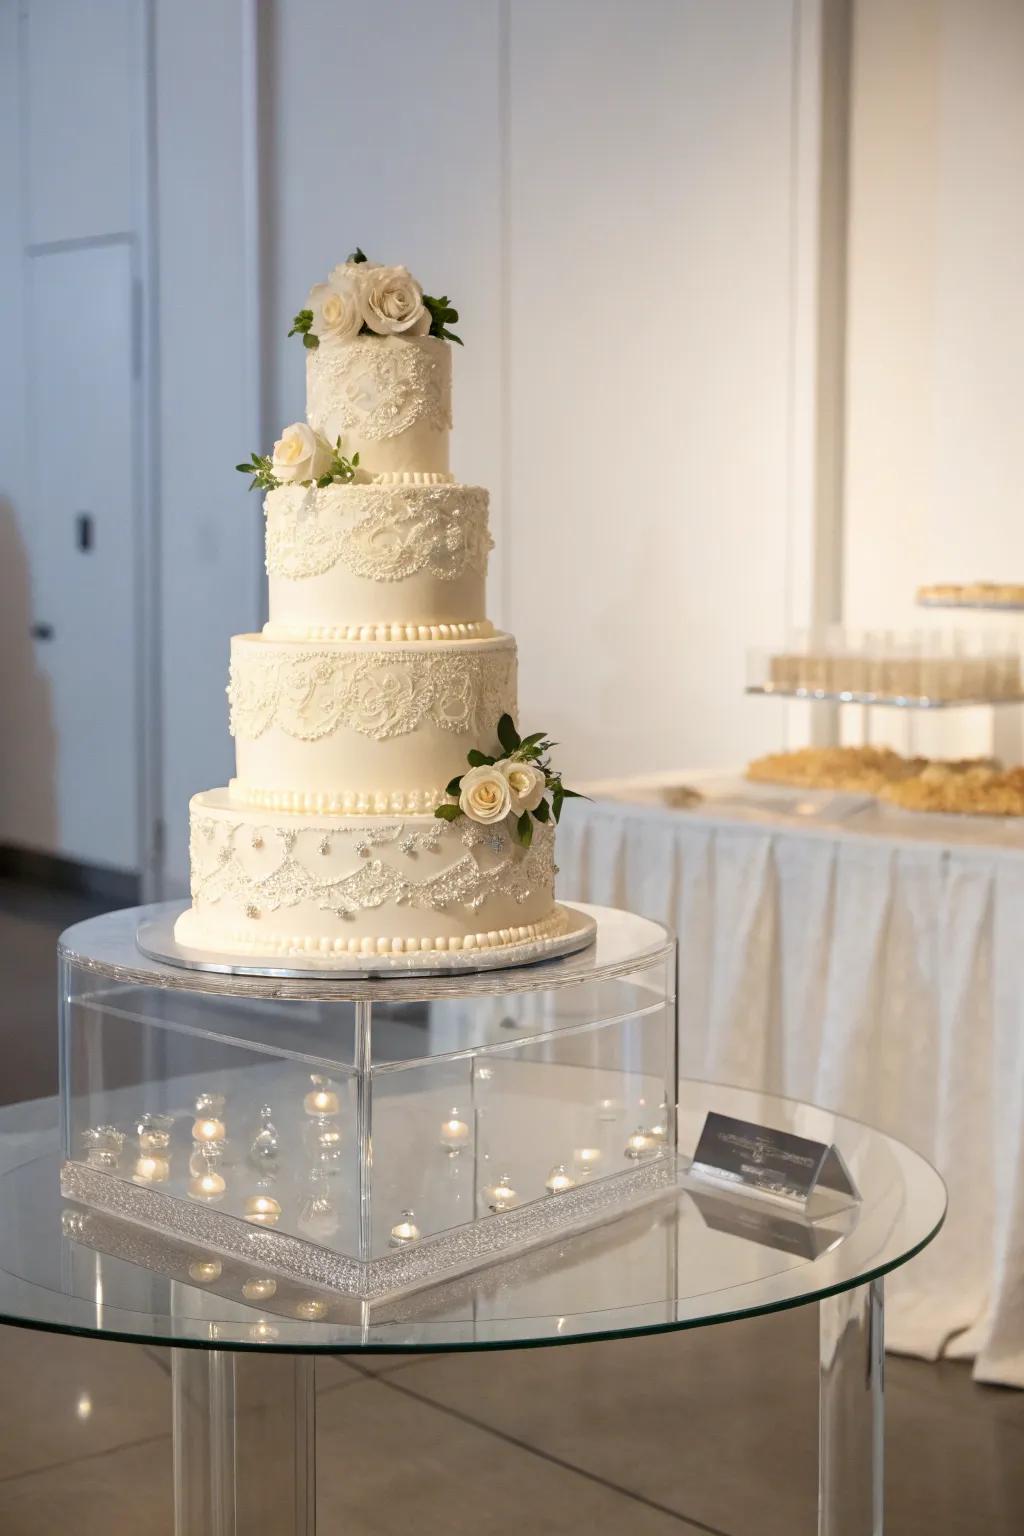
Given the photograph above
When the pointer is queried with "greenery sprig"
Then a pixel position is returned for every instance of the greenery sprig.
(301, 327)
(441, 316)
(340, 471)
(262, 470)
(532, 749)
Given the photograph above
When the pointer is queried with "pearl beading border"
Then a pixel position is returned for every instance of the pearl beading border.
(414, 802)
(475, 629)
(308, 944)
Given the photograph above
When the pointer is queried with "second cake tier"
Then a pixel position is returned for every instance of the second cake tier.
(398, 560)
(358, 727)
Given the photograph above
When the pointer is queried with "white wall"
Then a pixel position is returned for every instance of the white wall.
(621, 199)
(210, 562)
(70, 398)
(935, 390)
(606, 190)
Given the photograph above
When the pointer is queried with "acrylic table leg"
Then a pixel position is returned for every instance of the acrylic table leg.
(244, 1443)
(850, 1409)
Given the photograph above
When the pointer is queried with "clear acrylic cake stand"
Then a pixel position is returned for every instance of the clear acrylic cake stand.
(243, 1380)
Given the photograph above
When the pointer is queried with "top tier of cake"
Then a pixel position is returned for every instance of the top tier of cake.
(387, 548)
(389, 399)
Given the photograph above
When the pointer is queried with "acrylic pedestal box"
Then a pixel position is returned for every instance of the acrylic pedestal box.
(359, 1139)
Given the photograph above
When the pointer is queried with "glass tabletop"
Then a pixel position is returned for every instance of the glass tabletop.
(695, 1256)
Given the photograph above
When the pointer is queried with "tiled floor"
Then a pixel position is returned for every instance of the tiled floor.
(712, 1431)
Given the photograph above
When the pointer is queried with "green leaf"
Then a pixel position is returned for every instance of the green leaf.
(310, 341)
(246, 469)
(455, 787)
(534, 740)
(507, 733)
(524, 829)
(542, 812)
(573, 794)
(556, 802)
(477, 759)
(441, 316)
(357, 256)
(448, 812)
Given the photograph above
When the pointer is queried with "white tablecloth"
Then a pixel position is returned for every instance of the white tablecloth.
(881, 976)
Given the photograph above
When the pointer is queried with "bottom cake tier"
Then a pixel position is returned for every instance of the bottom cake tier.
(288, 883)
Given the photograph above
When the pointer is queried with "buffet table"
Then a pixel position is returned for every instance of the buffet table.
(862, 958)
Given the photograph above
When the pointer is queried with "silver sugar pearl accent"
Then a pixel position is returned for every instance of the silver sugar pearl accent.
(256, 841)
(324, 846)
(251, 909)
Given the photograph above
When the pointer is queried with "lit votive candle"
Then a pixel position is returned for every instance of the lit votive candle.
(404, 1231)
(208, 1129)
(311, 1309)
(154, 1132)
(263, 1332)
(259, 1288)
(559, 1180)
(205, 1270)
(586, 1158)
(454, 1133)
(264, 1210)
(501, 1196)
(641, 1143)
(321, 1101)
(207, 1186)
(151, 1170)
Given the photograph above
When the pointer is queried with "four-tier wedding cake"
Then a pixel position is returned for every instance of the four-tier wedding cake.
(384, 802)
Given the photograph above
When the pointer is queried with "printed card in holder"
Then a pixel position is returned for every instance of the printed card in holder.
(757, 1159)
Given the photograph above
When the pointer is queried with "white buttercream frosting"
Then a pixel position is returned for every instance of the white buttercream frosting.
(389, 399)
(339, 884)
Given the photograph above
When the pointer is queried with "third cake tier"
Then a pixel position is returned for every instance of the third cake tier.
(357, 726)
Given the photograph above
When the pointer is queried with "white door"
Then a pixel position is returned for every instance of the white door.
(82, 489)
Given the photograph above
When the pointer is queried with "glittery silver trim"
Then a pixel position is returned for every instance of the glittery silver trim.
(453, 1252)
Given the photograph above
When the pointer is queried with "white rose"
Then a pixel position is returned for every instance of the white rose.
(337, 315)
(300, 455)
(345, 271)
(485, 794)
(392, 302)
(526, 784)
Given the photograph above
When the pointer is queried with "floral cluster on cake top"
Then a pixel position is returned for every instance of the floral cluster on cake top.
(364, 298)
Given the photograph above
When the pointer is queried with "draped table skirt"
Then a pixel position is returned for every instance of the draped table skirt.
(880, 976)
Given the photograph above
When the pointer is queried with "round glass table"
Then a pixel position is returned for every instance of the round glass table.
(244, 1403)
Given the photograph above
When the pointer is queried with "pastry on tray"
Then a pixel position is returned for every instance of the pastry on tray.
(978, 788)
(858, 770)
(995, 593)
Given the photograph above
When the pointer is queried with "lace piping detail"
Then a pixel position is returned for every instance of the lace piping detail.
(309, 694)
(379, 390)
(515, 873)
(381, 532)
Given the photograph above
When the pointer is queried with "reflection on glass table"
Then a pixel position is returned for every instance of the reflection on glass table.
(243, 1342)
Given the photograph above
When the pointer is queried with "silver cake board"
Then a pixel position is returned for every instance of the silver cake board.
(155, 938)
